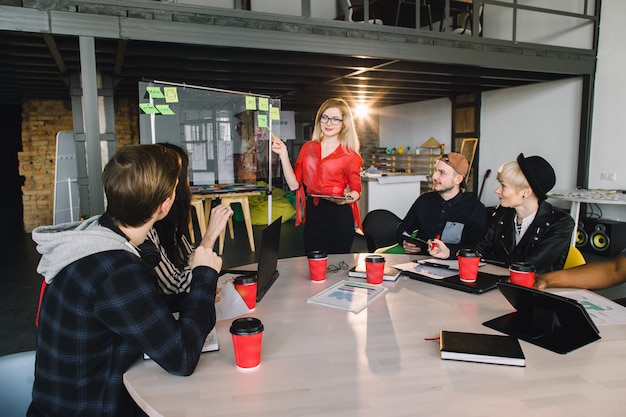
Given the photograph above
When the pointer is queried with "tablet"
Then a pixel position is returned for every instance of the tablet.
(336, 197)
(413, 239)
(548, 320)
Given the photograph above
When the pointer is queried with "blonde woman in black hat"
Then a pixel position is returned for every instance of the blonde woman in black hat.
(525, 227)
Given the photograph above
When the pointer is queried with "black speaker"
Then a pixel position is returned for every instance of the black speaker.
(601, 236)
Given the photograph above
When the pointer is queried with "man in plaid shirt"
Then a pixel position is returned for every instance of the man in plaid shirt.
(101, 308)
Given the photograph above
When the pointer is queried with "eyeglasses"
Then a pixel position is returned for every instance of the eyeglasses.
(336, 268)
(333, 120)
(445, 158)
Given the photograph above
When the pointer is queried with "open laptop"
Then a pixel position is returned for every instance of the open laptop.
(266, 272)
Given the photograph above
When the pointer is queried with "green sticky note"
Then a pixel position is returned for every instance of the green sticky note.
(164, 109)
(262, 120)
(275, 113)
(171, 94)
(148, 108)
(250, 103)
(155, 92)
(264, 104)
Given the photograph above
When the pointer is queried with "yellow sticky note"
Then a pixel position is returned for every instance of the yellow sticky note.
(250, 103)
(171, 94)
(275, 113)
(264, 104)
(154, 92)
(164, 109)
(261, 120)
(148, 108)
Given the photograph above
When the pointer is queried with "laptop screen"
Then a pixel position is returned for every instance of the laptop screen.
(268, 258)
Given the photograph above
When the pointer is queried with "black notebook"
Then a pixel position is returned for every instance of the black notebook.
(485, 282)
(358, 271)
(480, 347)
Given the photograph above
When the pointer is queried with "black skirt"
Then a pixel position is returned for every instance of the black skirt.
(328, 227)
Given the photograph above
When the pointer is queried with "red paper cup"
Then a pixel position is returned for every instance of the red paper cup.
(246, 286)
(374, 268)
(469, 259)
(318, 262)
(522, 273)
(247, 335)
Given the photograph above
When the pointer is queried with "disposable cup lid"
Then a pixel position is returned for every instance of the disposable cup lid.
(522, 267)
(375, 258)
(317, 254)
(246, 326)
(468, 253)
(245, 280)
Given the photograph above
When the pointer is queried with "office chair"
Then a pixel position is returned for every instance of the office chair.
(379, 228)
(574, 258)
(17, 373)
(348, 11)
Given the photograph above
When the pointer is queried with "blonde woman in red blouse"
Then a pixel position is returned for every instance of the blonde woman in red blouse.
(329, 165)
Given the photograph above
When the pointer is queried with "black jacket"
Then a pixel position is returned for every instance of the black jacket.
(430, 214)
(545, 244)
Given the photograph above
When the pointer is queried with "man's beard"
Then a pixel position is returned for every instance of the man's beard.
(442, 190)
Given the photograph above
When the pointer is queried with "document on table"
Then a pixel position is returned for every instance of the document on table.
(600, 309)
(348, 295)
(430, 271)
(228, 303)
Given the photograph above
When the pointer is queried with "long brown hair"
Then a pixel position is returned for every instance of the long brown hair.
(174, 226)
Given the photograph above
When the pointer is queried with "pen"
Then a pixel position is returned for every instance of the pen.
(434, 245)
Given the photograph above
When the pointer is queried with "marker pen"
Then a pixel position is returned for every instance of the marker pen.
(434, 245)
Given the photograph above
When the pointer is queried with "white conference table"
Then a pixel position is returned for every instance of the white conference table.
(320, 361)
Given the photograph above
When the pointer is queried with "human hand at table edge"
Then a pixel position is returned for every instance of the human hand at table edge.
(203, 256)
(217, 222)
(410, 247)
(540, 282)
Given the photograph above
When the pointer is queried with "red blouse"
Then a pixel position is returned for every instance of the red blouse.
(329, 176)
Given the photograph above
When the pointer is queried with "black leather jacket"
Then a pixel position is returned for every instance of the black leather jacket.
(545, 244)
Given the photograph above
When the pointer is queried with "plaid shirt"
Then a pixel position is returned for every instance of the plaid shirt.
(97, 317)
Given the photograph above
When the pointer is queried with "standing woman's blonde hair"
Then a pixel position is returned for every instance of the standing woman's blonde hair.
(348, 136)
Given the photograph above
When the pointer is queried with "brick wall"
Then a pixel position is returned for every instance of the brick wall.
(41, 121)
(369, 136)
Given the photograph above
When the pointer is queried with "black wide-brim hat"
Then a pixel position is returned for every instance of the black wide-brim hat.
(539, 174)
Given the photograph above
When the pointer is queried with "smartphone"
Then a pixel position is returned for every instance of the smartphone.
(414, 240)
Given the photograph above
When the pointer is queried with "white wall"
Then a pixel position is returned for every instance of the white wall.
(608, 145)
(414, 123)
(544, 28)
(542, 119)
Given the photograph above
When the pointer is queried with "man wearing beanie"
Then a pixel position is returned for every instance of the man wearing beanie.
(525, 227)
(446, 213)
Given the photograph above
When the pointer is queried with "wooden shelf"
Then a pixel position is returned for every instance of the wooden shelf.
(419, 164)
(416, 163)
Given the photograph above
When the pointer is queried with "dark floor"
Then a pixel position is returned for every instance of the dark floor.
(20, 283)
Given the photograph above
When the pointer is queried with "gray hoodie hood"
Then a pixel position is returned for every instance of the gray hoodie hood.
(63, 244)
